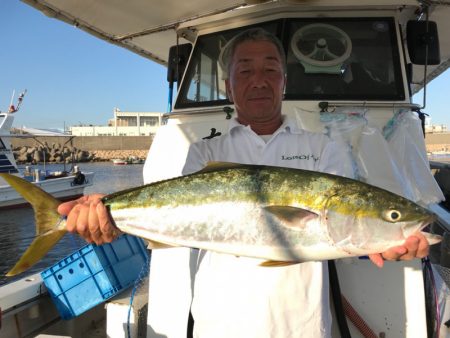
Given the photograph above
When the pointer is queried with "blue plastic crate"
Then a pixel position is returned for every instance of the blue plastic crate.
(94, 274)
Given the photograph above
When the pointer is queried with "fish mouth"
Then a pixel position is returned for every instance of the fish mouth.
(412, 228)
(428, 220)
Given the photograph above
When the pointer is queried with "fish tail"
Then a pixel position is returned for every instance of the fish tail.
(49, 229)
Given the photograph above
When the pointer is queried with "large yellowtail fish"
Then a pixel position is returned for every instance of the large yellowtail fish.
(272, 213)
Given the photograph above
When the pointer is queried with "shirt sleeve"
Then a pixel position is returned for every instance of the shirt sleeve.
(197, 158)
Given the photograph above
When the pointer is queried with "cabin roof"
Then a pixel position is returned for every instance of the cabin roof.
(149, 28)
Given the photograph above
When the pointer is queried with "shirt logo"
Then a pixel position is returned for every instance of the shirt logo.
(212, 135)
(299, 157)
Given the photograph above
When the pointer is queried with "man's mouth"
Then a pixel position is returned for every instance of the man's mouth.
(259, 99)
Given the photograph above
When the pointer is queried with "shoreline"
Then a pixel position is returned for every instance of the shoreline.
(108, 155)
(26, 155)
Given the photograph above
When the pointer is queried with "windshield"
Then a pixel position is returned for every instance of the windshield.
(327, 59)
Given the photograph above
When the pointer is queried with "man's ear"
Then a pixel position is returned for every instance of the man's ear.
(228, 88)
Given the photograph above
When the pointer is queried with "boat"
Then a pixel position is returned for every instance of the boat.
(62, 184)
(119, 161)
(380, 53)
(128, 160)
(135, 160)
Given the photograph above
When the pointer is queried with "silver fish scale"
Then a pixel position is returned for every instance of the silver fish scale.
(244, 226)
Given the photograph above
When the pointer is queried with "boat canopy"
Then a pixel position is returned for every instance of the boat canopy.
(149, 28)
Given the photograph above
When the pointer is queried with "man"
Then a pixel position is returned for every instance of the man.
(232, 296)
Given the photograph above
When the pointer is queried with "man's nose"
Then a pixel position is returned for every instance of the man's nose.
(259, 79)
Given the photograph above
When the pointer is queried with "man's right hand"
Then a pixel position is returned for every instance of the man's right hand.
(88, 217)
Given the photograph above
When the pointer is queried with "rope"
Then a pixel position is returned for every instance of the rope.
(357, 320)
(138, 282)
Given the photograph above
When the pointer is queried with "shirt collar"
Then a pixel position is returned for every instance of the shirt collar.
(289, 125)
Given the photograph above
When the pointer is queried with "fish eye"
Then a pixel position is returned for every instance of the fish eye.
(392, 215)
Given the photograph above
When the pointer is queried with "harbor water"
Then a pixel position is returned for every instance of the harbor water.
(17, 227)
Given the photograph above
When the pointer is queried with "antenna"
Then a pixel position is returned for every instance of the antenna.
(13, 109)
(12, 98)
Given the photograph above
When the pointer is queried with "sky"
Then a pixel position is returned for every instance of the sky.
(73, 78)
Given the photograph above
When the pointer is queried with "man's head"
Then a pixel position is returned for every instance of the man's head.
(254, 64)
(253, 34)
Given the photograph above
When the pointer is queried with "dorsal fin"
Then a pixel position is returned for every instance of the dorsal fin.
(217, 165)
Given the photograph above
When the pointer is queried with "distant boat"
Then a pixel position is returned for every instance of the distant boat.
(135, 160)
(62, 184)
(119, 161)
(129, 160)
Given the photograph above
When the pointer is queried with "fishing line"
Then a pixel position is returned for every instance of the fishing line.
(137, 283)
(31, 238)
(427, 267)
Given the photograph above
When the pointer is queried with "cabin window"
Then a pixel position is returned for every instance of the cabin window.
(203, 83)
(327, 59)
(343, 59)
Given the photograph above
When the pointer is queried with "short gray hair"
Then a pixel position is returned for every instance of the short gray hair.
(252, 34)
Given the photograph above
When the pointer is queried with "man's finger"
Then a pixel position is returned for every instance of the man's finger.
(424, 247)
(82, 221)
(394, 254)
(71, 222)
(412, 245)
(109, 231)
(93, 223)
(377, 259)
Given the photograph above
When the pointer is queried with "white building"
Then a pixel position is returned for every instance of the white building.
(123, 124)
(433, 128)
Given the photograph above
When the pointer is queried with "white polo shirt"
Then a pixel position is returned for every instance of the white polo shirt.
(234, 296)
(288, 147)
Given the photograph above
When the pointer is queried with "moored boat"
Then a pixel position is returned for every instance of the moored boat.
(62, 184)
(119, 161)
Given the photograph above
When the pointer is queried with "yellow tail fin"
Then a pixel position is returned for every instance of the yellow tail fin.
(48, 228)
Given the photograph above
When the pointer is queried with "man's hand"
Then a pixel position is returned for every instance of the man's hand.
(88, 217)
(415, 246)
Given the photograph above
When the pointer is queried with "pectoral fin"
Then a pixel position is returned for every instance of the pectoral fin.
(292, 216)
(158, 245)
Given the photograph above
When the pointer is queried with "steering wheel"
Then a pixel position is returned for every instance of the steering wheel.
(321, 48)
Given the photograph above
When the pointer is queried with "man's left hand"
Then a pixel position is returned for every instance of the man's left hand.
(415, 246)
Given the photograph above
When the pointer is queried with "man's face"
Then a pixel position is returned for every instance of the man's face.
(256, 82)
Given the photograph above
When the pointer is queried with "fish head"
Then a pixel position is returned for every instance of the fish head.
(371, 219)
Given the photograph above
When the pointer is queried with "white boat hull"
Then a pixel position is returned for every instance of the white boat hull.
(62, 188)
(117, 161)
